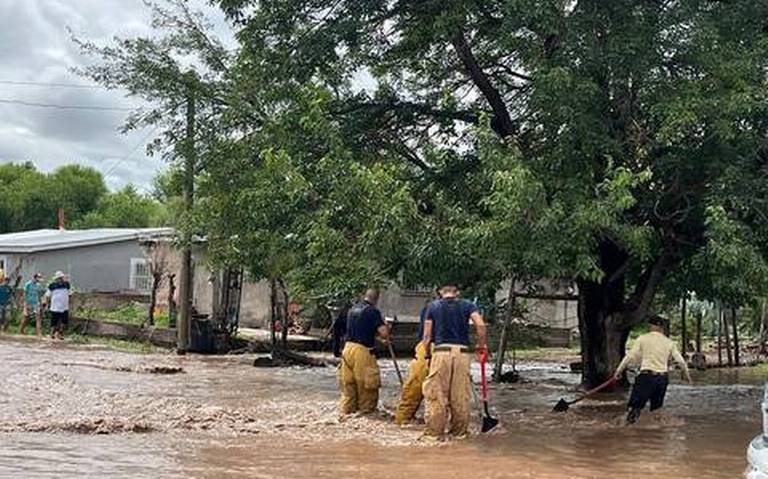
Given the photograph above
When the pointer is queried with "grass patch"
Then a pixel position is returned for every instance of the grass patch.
(129, 313)
(542, 353)
(139, 347)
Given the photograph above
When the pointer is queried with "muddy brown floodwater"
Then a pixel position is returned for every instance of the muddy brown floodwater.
(82, 412)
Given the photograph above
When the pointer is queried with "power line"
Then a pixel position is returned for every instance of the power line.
(133, 150)
(47, 84)
(64, 107)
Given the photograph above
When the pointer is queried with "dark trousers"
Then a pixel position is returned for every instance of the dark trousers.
(648, 387)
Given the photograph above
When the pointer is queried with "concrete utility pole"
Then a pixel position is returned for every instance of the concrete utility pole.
(185, 276)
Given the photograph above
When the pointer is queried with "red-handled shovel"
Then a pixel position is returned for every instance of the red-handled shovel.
(488, 421)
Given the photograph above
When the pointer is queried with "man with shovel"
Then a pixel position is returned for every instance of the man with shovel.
(447, 387)
(653, 351)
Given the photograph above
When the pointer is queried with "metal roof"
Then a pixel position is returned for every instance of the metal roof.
(50, 239)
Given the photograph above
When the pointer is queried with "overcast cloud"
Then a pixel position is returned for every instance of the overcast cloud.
(35, 47)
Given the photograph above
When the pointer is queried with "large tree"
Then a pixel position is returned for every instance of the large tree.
(633, 119)
(348, 141)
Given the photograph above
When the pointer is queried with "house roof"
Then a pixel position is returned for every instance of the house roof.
(50, 239)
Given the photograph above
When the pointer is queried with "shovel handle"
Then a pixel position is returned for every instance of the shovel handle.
(596, 389)
(394, 361)
(483, 380)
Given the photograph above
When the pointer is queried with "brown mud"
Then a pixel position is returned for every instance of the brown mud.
(72, 412)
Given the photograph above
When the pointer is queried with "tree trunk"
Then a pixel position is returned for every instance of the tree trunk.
(735, 326)
(763, 329)
(699, 318)
(273, 314)
(684, 327)
(719, 318)
(172, 300)
(283, 302)
(603, 334)
(156, 280)
(216, 298)
(606, 315)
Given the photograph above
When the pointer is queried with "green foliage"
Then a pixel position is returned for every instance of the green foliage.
(351, 143)
(77, 189)
(31, 198)
(125, 208)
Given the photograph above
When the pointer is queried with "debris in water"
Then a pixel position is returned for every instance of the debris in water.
(132, 368)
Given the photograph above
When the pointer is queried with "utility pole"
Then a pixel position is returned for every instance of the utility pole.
(736, 346)
(185, 276)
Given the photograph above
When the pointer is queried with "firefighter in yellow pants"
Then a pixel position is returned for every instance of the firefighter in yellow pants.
(359, 377)
(447, 387)
(411, 395)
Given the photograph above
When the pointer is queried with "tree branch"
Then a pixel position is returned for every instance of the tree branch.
(640, 301)
(502, 123)
(411, 108)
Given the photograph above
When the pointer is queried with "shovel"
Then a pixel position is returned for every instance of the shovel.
(394, 360)
(488, 421)
(392, 353)
(563, 405)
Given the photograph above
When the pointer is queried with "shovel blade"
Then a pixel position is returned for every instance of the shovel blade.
(561, 406)
(489, 423)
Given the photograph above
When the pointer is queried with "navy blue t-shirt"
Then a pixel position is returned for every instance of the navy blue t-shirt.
(450, 320)
(362, 322)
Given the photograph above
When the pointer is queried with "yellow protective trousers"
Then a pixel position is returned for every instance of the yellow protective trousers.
(411, 395)
(447, 391)
(359, 379)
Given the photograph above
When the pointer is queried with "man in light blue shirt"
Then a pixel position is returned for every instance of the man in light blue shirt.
(32, 312)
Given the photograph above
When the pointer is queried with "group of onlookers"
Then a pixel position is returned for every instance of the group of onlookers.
(37, 298)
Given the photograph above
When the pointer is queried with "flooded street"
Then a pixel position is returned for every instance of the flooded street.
(75, 411)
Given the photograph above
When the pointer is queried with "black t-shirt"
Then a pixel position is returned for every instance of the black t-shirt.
(362, 322)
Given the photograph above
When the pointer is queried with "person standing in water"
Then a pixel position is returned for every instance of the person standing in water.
(359, 376)
(653, 351)
(32, 311)
(6, 302)
(447, 386)
(57, 298)
(411, 396)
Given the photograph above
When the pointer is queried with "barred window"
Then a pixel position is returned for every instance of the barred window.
(141, 275)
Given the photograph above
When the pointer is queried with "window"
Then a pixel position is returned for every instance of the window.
(141, 275)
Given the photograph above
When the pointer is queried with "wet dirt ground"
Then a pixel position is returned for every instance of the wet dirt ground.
(70, 411)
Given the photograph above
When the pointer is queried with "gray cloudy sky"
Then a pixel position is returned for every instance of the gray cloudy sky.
(35, 47)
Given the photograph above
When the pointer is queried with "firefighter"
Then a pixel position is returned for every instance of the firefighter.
(359, 376)
(412, 395)
(447, 386)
